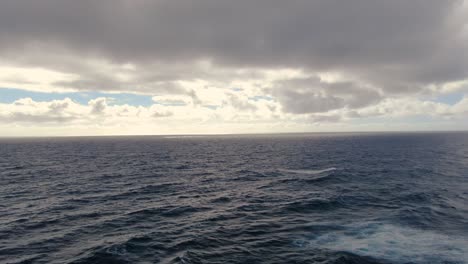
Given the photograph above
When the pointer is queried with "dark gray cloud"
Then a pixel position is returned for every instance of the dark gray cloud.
(397, 47)
(240, 104)
(158, 114)
(312, 95)
(317, 33)
(308, 102)
(98, 106)
(58, 107)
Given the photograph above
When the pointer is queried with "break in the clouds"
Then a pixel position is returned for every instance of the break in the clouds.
(235, 66)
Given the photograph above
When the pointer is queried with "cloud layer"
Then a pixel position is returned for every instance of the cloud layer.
(289, 60)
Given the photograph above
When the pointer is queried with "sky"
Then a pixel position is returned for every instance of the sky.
(148, 67)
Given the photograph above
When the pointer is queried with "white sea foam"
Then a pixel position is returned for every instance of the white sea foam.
(394, 243)
(312, 172)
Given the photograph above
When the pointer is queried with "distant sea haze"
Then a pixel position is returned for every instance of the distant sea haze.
(305, 198)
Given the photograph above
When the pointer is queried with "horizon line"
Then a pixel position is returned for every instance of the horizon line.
(239, 134)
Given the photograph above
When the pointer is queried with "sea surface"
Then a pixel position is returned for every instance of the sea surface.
(302, 198)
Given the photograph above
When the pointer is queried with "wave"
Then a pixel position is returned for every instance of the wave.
(311, 172)
(393, 243)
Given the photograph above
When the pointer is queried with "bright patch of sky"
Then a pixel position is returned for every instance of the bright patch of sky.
(9, 95)
(450, 99)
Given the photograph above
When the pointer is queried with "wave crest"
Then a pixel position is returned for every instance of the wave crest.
(311, 172)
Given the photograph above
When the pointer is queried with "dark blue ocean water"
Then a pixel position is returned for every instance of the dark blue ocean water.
(317, 198)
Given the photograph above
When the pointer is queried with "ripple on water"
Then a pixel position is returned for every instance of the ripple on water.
(391, 199)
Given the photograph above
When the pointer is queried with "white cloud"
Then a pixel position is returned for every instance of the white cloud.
(100, 116)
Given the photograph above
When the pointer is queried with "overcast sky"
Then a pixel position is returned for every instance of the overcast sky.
(91, 67)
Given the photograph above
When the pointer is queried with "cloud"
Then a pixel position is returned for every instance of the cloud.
(403, 107)
(422, 38)
(174, 100)
(105, 110)
(100, 116)
(98, 106)
(158, 114)
(240, 103)
(325, 118)
(312, 95)
(34, 118)
(312, 59)
(28, 111)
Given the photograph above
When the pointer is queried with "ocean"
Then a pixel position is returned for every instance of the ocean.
(299, 198)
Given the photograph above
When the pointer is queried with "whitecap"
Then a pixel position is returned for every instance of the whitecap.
(394, 243)
(311, 172)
